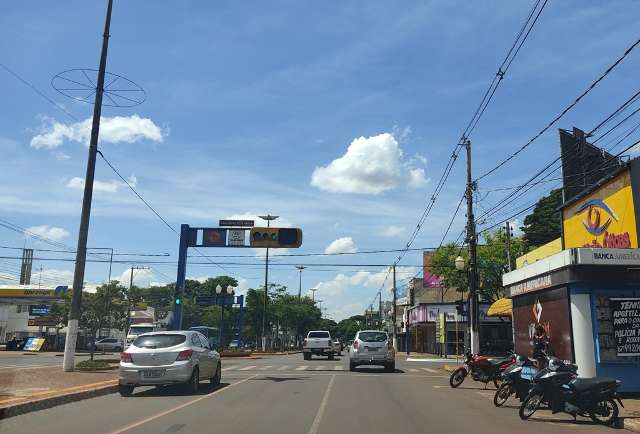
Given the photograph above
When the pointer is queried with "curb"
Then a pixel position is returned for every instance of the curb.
(41, 404)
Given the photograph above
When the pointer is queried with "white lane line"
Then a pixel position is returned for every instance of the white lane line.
(179, 407)
(301, 368)
(338, 368)
(413, 370)
(23, 367)
(282, 368)
(320, 368)
(229, 368)
(246, 368)
(264, 368)
(323, 404)
(433, 371)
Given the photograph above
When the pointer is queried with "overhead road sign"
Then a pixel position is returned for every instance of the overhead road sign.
(214, 237)
(237, 223)
(236, 237)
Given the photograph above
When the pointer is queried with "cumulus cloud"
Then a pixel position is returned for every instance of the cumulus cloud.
(117, 129)
(371, 165)
(49, 232)
(341, 245)
(142, 278)
(394, 231)
(111, 186)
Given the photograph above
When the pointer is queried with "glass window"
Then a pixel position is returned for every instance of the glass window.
(159, 341)
(195, 340)
(318, 335)
(372, 336)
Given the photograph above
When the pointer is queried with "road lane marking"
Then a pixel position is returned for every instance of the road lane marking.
(433, 371)
(413, 370)
(338, 368)
(229, 368)
(323, 404)
(301, 368)
(320, 368)
(246, 368)
(282, 368)
(179, 407)
(264, 368)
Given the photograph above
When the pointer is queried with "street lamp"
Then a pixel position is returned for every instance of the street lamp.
(459, 263)
(268, 218)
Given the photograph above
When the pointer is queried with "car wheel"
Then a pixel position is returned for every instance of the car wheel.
(352, 366)
(306, 356)
(125, 390)
(331, 357)
(391, 367)
(215, 380)
(193, 384)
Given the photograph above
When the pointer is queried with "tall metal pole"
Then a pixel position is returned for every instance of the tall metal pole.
(380, 308)
(268, 218)
(393, 315)
(83, 232)
(473, 272)
(300, 268)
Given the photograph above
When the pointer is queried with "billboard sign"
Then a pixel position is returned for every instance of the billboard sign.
(625, 313)
(41, 310)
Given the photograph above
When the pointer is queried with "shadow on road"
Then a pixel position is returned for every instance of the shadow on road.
(279, 379)
(369, 370)
(563, 421)
(177, 390)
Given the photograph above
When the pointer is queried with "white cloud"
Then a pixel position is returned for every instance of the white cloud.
(111, 186)
(371, 165)
(394, 231)
(341, 245)
(50, 232)
(142, 278)
(117, 129)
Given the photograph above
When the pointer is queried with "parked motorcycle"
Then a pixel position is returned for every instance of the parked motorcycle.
(559, 387)
(481, 368)
(516, 379)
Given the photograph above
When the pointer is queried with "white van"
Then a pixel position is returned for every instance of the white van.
(138, 329)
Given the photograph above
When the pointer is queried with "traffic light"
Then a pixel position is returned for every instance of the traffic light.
(276, 237)
(460, 307)
(177, 296)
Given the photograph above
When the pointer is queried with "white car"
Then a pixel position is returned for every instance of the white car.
(168, 357)
(319, 343)
(372, 347)
(337, 347)
(109, 344)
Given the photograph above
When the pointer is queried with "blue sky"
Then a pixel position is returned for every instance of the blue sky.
(337, 116)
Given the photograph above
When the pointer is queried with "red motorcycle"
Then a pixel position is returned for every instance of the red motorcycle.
(482, 369)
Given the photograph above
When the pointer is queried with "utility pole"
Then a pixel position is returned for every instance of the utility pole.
(380, 308)
(83, 232)
(393, 315)
(473, 272)
(508, 239)
(300, 268)
(268, 218)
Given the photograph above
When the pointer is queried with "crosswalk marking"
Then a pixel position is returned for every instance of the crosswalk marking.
(433, 371)
(319, 368)
(246, 368)
(413, 370)
(229, 368)
(282, 368)
(338, 368)
(264, 368)
(301, 368)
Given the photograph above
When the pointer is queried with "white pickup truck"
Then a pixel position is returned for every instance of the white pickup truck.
(319, 343)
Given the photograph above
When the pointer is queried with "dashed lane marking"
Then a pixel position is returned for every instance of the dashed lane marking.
(282, 368)
(320, 368)
(246, 368)
(338, 368)
(229, 368)
(433, 371)
(264, 368)
(301, 368)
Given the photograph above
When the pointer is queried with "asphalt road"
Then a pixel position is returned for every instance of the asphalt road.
(286, 394)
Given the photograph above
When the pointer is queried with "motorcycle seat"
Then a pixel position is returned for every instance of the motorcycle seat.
(583, 384)
(497, 362)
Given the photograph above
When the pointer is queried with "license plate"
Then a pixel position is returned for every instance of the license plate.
(371, 350)
(152, 373)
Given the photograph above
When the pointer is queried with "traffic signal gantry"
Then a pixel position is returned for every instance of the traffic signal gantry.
(231, 233)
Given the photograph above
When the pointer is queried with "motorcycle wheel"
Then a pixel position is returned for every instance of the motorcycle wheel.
(502, 394)
(529, 406)
(457, 377)
(606, 412)
(497, 381)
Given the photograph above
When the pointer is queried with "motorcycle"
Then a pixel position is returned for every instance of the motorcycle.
(559, 386)
(481, 368)
(516, 379)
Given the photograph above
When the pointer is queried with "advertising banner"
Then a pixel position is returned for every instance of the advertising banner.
(604, 218)
(625, 313)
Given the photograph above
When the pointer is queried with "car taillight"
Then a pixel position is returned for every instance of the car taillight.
(126, 358)
(329, 342)
(355, 345)
(184, 355)
(304, 343)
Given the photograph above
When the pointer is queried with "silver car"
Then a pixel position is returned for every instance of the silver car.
(109, 344)
(372, 347)
(168, 357)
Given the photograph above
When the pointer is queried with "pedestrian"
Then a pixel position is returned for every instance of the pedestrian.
(540, 345)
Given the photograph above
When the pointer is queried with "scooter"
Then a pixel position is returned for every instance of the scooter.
(516, 380)
(559, 386)
(481, 368)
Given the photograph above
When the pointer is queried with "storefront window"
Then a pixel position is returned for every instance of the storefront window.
(606, 336)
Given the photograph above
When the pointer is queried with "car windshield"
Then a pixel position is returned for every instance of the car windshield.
(159, 341)
(318, 334)
(372, 336)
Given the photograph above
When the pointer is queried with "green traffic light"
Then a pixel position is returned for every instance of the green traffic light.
(178, 301)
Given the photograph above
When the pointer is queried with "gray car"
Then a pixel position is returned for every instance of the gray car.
(168, 357)
(372, 347)
(109, 344)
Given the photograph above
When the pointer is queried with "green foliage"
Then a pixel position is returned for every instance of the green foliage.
(543, 224)
(93, 365)
(347, 328)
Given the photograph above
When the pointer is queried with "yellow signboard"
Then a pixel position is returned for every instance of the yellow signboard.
(544, 251)
(32, 292)
(603, 219)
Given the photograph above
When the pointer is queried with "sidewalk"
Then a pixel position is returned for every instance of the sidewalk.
(23, 391)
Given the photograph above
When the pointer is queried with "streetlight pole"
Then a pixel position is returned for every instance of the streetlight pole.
(393, 315)
(473, 272)
(300, 268)
(268, 218)
(83, 232)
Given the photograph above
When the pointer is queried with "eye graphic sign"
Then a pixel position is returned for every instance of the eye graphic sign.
(605, 218)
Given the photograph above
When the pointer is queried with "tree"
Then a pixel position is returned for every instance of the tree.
(543, 224)
(347, 328)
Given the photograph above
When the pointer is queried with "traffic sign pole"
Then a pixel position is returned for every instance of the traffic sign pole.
(176, 323)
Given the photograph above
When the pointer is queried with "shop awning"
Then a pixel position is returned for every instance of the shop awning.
(501, 307)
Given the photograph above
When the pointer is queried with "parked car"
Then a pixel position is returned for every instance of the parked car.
(109, 344)
(337, 347)
(164, 358)
(372, 347)
(319, 343)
